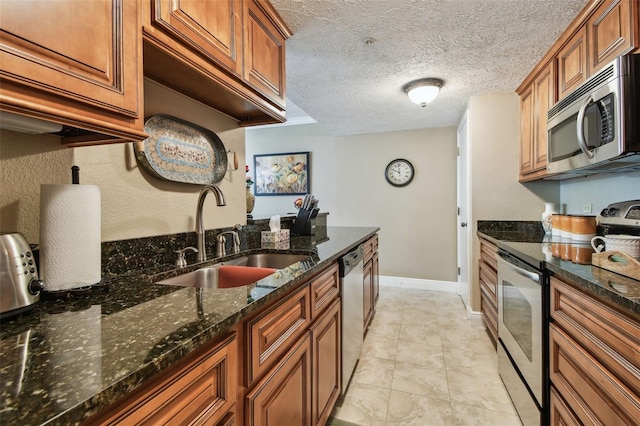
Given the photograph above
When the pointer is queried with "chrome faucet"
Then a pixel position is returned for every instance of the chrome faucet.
(221, 240)
(202, 255)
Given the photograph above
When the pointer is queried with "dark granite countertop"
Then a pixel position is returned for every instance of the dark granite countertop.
(68, 359)
(533, 248)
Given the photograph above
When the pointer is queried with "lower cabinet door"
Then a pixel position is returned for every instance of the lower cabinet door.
(283, 396)
(327, 361)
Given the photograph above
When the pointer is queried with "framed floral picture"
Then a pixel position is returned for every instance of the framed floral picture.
(281, 174)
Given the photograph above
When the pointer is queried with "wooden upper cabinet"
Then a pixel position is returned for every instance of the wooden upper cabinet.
(612, 31)
(572, 63)
(264, 51)
(535, 101)
(211, 28)
(545, 97)
(526, 130)
(220, 54)
(74, 63)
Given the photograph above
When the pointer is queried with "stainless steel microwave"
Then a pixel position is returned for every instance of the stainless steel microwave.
(596, 128)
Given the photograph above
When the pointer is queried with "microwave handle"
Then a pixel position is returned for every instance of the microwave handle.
(580, 127)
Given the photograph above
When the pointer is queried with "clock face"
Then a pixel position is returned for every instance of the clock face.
(399, 172)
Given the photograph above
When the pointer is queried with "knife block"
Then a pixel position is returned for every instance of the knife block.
(302, 224)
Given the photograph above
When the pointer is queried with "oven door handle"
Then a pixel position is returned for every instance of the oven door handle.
(520, 271)
(580, 127)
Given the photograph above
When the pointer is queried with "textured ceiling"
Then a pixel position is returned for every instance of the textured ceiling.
(350, 86)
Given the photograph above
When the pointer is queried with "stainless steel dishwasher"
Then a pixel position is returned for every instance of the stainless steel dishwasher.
(352, 311)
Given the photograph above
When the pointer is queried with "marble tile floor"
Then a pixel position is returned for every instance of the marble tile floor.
(422, 364)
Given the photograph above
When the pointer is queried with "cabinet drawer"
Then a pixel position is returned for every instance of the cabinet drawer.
(595, 395)
(561, 414)
(325, 288)
(489, 314)
(489, 278)
(488, 253)
(271, 334)
(610, 336)
(203, 392)
(369, 248)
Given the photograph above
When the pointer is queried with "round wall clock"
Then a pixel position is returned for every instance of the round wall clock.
(399, 172)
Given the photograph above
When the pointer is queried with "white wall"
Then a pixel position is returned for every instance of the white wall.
(418, 222)
(134, 204)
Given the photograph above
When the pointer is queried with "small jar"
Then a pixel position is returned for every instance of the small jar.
(556, 227)
(583, 228)
(565, 226)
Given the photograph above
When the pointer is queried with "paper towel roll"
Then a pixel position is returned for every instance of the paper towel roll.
(69, 236)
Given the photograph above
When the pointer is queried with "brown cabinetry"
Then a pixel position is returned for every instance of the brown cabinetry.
(74, 63)
(271, 333)
(264, 67)
(326, 345)
(594, 365)
(572, 63)
(603, 30)
(283, 397)
(227, 54)
(294, 356)
(612, 31)
(370, 286)
(489, 288)
(534, 103)
(199, 391)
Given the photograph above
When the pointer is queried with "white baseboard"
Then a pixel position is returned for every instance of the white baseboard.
(475, 317)
(420, 284)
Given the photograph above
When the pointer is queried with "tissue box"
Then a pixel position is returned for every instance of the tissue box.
(275, 240)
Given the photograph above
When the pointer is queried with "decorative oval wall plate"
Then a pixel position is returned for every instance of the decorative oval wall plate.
(180, 151)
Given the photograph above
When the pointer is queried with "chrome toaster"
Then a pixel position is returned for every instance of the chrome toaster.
(19, 283)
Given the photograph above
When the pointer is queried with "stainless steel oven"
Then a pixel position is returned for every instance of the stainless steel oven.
(521, 335)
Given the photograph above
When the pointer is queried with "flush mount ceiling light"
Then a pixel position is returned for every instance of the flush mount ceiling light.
(423, 91)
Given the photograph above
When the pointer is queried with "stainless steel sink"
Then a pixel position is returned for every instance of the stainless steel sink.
(220, 276)
(267, 260)
(236, 272)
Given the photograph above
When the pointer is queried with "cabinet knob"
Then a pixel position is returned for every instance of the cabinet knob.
(463, 224)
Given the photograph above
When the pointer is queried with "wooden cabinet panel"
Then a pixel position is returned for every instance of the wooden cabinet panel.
(526, 130)
(325, 288)
(264, 52)
(74, 63)
(610, 31)
(202, 392)
(572, 63)
(367, 286)
(488, 254)
(271, 333)
(326, 348)
(375, 270)
(594, 395)
(545, 97)
(283, 397)
(488, 281)
(560, 414)
(212, 29)
(613, 338)
(535, 101)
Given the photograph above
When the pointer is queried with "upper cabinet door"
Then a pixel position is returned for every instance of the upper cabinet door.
(212, 28)
(264, 48)
(73, 62)
(610, 32)
(572, 63)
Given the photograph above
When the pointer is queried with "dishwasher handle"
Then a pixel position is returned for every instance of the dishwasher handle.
(350, 260)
